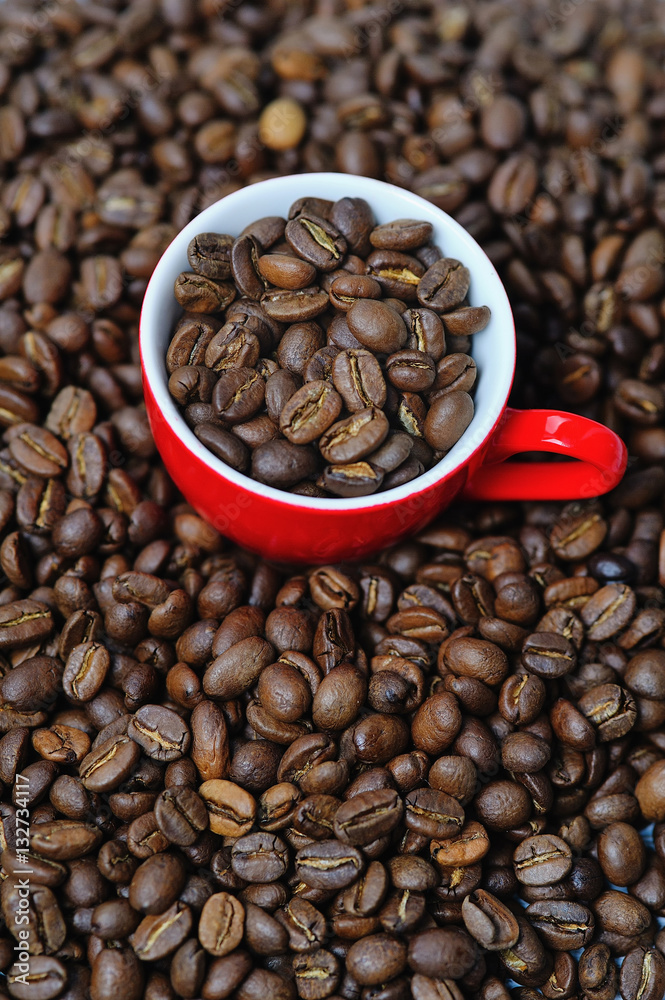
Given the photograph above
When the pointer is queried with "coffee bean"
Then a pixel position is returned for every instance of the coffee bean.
(365, 817)
(358, 378)
(447, 419)
(376, 326)
(489, 921)
(329, 864)
(309, 412)
(376, 959)
(643, 969)
(231, 809)
(433, 813)
(542, 860)
(315, 240)
(181, 815)
(221, 924)
(199, 294)
(160, 732)
(564, 925)
(209, 254)
(281, 464)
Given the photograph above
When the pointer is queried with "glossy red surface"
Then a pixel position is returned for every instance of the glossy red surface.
(597, 458)
(284, 532)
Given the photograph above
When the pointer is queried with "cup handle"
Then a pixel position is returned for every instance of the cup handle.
(598, 458)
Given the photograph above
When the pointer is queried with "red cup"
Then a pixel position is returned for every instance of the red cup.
(289, 528)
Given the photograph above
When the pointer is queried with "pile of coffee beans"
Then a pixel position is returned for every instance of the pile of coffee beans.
(365, 398)
(432, 774)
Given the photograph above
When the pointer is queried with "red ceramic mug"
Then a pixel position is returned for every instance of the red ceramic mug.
(289, 528)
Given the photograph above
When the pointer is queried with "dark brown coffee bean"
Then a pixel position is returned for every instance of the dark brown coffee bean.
(286, 271)
(355, 437)
(621, 853)
(466, 320)
(352, 480)
(160, 732)
(328, 864)
(233, 346)
(224, 445)
(542, 860)
(447, 419)
(563, 925)
(64, 839)
(489, 921)
(402, 234)
(397, 273)
(181, 815)
(38, 451)
(192, 384)
(348, 288)
(316, 240)
(298, 344)
(294, 305)
(309, 412)
(411, 370)
(503, 804)
(365, 817)
(377, 327)
(199, 294)
(259, 857)
(548, 655)
(642, 973)
(442, 952)
(237, 395)
(433, 813)
(611, 710)
(444, 285)
(358, 378)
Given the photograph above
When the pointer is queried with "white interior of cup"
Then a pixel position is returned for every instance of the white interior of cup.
(493, 348)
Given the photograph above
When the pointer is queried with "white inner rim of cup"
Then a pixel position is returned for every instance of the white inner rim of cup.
(493, 348)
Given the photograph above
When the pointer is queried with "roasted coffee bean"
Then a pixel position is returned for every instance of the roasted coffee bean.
(221, 924)
(199, 294)
(160, 732)
(358, 378)
(368, 816)
(281, 464)
(237, 395)
(542, 860)
(309, 412)
(444, 285)
(209, 254)
(181, 815)
(328, 864)
(286, 271)
(563, 925)
(443, 951)
(433, 813)
(411, 370)
(642, 973)
(378, 327)
(259, 857)
(447, 419)
(489, 921)
(224, 445)
(315, 240)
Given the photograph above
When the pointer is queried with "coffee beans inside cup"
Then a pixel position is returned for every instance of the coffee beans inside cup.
(325, 354)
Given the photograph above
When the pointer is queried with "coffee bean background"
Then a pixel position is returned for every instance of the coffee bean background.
(258, 782)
